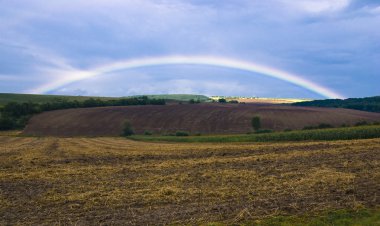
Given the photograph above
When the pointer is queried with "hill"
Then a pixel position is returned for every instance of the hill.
(37, 98)
(195, 118)
(371, 104)
(179, 97)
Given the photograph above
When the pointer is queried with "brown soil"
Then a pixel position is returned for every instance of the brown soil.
(196, 118)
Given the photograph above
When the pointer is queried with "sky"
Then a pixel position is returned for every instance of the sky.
(62, 47)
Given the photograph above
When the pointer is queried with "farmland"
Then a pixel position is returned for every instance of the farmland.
(119, 181)
(207, 118)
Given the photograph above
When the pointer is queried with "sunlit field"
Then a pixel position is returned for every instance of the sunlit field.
(118, 181)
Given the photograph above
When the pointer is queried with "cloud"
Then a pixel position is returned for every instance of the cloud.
(317, 6)
(330, 41)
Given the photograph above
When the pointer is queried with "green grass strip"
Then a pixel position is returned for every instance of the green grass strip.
(362, 217)
(348, 133)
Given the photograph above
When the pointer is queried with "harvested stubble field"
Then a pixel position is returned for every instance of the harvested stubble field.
(117, 181)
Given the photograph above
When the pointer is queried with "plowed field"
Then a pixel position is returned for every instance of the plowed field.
(193, 118)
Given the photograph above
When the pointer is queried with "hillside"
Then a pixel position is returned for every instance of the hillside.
(36, 98)
(179, 97)
(194, 118)
(371, 104)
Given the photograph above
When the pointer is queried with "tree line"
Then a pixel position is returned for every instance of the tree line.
(371, 104)
(15, 115)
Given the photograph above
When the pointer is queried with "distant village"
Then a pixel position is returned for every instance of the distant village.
(243, 99)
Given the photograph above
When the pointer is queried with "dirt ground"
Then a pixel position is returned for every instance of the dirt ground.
(115, 181)
(192, 118)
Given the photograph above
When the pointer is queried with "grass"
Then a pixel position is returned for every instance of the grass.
(363, 217)
(348, 133)
(92, 181)
(11, 133)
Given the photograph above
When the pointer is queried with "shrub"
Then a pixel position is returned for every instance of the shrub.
(264, 131)
(222, 100)
(362, 123)
(181, 134)
(192, 101)
(148, 133)
(308, 128)
(256, 123)
(287, 130)
(324, 126)
(127, 128)
(233, 102)
(169, 134)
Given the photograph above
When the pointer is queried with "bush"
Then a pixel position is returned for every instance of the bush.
(169, 134)
(324, 126)
(192, 101)
(308, 127)
(264, 131)
(222, 100)
(127, 129)
(320, 126)
(233, 102)
(181, 134)
(148, 133)
(362, 123)
(256, 123)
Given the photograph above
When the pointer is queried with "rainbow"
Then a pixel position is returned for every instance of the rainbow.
(68, 77)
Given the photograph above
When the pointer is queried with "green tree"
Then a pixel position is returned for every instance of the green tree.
(256, 123)
(6, 123)
(127, 129)
(182, 134)
(222, 100)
